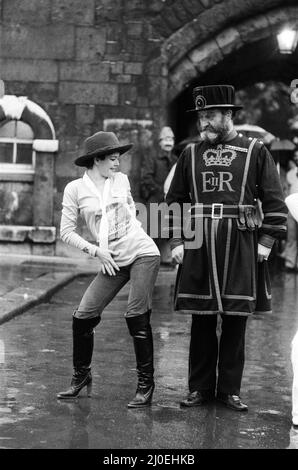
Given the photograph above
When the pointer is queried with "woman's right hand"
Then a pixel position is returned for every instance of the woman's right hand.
(108, 265)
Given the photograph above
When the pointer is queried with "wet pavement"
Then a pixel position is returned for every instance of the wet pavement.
(27, 281)
(35, 363)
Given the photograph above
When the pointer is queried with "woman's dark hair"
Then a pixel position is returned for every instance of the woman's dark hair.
(90, 163)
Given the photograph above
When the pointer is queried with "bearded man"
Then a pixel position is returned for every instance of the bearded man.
(226, 279)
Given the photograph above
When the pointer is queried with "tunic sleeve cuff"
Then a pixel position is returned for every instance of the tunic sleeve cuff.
(266, 240)
(175, 242)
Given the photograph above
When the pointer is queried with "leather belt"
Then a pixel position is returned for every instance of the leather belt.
(219, 211)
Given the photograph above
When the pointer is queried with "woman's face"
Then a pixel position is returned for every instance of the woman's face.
(109, 166)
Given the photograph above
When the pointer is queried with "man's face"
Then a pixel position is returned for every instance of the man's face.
(214, 124)
(166, 139)
(167, 144)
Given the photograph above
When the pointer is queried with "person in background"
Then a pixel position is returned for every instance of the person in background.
(226, 279)
(292, 204)
(156, 167)
(290, 251)
(125, 252)
(178, 150)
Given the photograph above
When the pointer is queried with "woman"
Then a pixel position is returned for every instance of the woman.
(103, 198)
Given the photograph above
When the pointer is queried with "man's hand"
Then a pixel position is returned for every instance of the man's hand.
(178, 254)
(263, 253)
(108, 265)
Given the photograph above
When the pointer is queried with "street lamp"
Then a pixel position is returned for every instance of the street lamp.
(287, 41)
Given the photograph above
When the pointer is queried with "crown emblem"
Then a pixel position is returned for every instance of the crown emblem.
(200, 102)
(219, 156)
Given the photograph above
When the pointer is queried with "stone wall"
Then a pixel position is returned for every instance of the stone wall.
(87, 64)
(109, 64)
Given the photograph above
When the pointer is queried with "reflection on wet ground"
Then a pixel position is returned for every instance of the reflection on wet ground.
(35, 363)
(15, 276)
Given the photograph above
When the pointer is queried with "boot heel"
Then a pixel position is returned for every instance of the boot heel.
(89, 389)
(78, 382)
(143, 397)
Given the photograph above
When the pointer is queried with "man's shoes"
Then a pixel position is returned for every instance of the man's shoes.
(232, 401)
(196, 398)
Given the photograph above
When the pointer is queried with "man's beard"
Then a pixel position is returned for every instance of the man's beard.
(214, 136)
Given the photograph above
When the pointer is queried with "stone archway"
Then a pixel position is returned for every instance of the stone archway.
(197, 54)
(199, 58)
(39, 237)
(204, 17)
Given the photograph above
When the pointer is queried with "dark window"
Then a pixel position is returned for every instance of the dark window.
(16, 152)
(6, 152)
(24, 154)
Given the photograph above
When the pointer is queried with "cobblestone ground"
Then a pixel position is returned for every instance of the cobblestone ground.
(35, 358)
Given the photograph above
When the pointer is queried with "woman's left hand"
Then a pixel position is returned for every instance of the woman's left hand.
(108, 266)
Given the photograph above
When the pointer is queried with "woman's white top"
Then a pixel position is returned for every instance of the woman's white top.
(110, 218)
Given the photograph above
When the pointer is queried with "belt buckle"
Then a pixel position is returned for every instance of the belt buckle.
(217, 207)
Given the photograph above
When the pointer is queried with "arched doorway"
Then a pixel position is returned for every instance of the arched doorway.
(240, 54)
(27, 149)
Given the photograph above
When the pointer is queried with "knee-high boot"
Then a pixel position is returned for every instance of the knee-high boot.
(140, 330)
(83, 340)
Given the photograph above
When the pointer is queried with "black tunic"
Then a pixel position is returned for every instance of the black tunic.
(223, 275)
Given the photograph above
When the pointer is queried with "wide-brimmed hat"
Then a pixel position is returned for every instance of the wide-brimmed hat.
(214, 96)
(99, 144)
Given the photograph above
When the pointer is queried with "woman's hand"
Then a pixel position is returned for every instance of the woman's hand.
(108, 265)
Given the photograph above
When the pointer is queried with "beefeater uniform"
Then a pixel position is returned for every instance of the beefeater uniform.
(223, 184)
